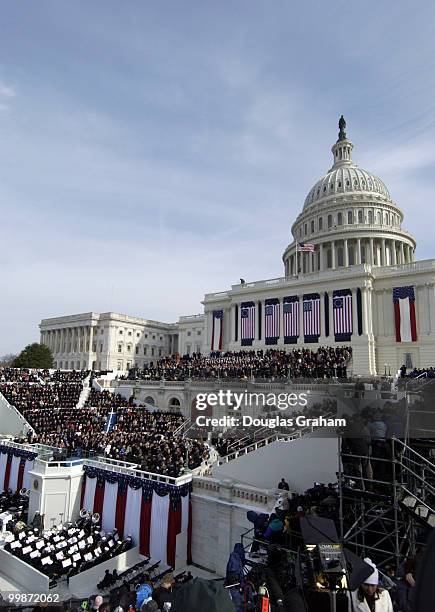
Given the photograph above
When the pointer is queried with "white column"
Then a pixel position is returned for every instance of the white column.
(372, 257)
(333, 254)
(393, 253)
(402, 254)
(358, 251)
(321, 257)
(346, 254)
(354, 312)
(384, 252)
(233, 323)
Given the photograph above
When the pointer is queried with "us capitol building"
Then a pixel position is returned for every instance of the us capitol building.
(350, 278)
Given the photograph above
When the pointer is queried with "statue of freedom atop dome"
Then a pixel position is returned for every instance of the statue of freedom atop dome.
(342, 127)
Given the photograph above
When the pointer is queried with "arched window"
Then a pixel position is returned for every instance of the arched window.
(351, 252)
(329, 258)
(350, 217)
(360, 216)
(312, 226)
(340, 218)
(329, 220)
(149, 400)
(370, 216)
(340, 259)
(305, 229)
(379, 217)
(363, 254)
(174, 404)
(320, 223)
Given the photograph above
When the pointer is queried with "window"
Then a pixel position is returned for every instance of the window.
(146, 335)
(370, 216)
(350, 217)
(189, 333)
(120, 332)
(160, 352)
(360, 216)
(145, 350)
(379, 217)
(137, 335)
(312, 226)
(101, 331)
(154, 336)
(137, 350)
(351, 256)
(329, 220)
(305, 229)
(129, 333)
(152, 351)
(119, 348)
(128, 348)
(119, 365)
(161, 337)
(329, 258)
(340, 218)
(198, 333)
(320, 223)
(101, 347)
(128, 365)
(188, 349)
(340, 262)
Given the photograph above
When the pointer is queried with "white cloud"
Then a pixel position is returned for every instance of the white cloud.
(6, 91)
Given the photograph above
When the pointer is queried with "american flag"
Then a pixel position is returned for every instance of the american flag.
(247, 314)
(311, 315)
(306, 247)
(342, 308)
(404, 314)
(271, 313)
(291, 318)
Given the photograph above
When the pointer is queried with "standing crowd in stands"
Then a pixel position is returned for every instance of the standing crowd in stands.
(270, 364)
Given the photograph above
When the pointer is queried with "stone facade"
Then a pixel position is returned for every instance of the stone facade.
(107, 341)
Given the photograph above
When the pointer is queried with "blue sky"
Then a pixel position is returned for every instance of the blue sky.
(153, 152)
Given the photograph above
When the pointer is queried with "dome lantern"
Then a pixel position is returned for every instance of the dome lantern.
(342, 149)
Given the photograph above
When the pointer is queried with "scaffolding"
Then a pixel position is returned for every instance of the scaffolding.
(386, 503)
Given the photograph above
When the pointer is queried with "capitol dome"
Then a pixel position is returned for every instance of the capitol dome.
(348, 218)
(345, 179)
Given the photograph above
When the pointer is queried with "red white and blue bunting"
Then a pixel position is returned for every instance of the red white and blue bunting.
(152, 513)
(15, 464)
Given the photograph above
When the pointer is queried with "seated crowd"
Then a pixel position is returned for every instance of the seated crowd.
(270, 364)
(18, 375)
(107, 399)
(138, 436)
(108, 425)
(30, 395)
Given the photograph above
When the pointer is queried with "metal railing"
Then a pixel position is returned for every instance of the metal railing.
(288, 437)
